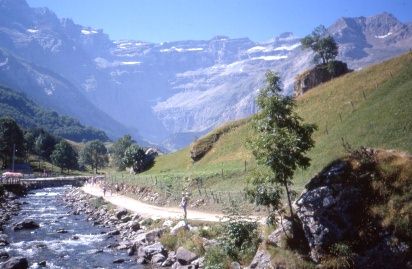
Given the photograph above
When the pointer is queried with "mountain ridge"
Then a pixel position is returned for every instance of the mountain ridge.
(171, 89)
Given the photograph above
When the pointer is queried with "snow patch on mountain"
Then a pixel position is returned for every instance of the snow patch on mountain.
(287, 47)
(383, 36)
(88, 32)
(174, 49)
(270, 57)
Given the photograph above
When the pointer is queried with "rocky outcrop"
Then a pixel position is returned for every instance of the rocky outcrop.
(15, 263)
(336, 215)
(27, 224)
(319, 74)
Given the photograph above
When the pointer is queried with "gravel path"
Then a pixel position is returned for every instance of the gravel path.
(150, 211)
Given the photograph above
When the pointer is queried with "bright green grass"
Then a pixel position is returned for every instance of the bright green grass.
(376, 109)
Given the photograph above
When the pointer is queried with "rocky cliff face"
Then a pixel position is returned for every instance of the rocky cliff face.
(169, 90)
(319, 74)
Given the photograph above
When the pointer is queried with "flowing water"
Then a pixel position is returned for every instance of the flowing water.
(61, 250)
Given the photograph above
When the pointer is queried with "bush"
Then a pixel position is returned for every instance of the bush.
(240, 236)
(169, 241)
(215, 258)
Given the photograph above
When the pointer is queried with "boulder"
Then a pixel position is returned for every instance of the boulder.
(4, 255)
(25, 224)
(261, 260)
(149, 237)
(147, 252)
(326, 208)
(3, 240)
(114, 232)
(181, 225)
(119, 260)
(284, 229)
(235, 265)
(135, 226)
(125, 219)
(15, 263)
(158, 259)
(120, 213)
(319, 74)
(184, 256)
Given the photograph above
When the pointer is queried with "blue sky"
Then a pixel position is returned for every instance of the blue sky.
(171, 20)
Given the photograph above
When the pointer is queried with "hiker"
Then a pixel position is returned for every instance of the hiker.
(104, 190)
(183, 204)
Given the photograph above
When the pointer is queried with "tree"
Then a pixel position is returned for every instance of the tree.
(44, 144)
(94, 154)
(279, 143)
(322, 44)
(64, 156)
(11, 137)
(118, 149)
(134, 157)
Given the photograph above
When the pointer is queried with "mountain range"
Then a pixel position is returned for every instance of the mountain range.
(167, 93)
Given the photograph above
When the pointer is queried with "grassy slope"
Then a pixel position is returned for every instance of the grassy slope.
(380, 117)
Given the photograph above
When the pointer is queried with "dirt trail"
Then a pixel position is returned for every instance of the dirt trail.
(146, 210)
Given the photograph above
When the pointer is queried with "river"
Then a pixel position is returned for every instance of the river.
(82, 246)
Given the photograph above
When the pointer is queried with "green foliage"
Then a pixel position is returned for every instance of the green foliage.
(30, 115)
(279, 144)
(10, 134)
(44, 144)
(94, 154)
(322, 44)
(135, 157)
(240, 237)
(118, 150)
(215, 258)
(64, 156)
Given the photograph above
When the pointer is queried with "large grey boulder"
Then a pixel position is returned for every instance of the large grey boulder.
(149, 237)
(120, 213)
(261, 260)
(148, 252)
(325, 209)
(184, 256)
(15, 263)
(26, 224)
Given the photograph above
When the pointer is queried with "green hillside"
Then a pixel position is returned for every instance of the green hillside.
(30, 115)
(371, 107)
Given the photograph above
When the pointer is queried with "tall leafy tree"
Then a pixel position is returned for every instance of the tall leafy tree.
(135, 157)
(118, 149)
(44, 144)
(322, 44)
(95, 155)
(11, 137)
(64, 156)
(279, 143)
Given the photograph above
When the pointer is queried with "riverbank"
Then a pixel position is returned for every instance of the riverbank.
(139, 235)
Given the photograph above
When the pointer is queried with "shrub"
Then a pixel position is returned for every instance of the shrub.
(215, 258)
(169, 241)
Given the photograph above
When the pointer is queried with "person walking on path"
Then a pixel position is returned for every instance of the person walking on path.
(104, 191)
(183, 204)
